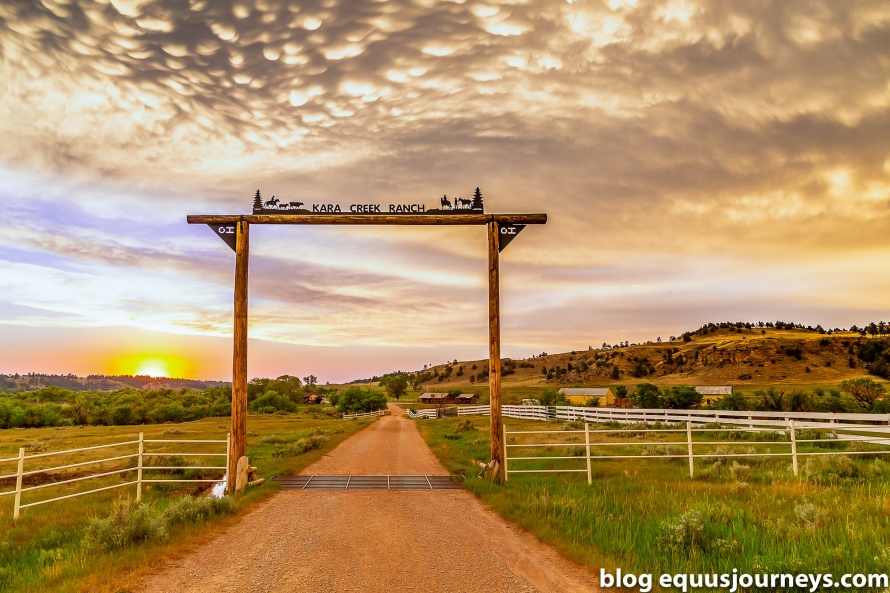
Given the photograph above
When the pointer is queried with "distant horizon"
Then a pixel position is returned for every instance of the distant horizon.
(321, 381)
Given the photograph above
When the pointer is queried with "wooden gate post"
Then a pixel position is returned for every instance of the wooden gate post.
(238, 444)
(494, 348)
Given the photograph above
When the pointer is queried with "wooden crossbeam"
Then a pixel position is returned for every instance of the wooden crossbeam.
(370, 219)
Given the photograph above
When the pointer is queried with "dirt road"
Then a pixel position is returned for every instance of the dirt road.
(441, 541)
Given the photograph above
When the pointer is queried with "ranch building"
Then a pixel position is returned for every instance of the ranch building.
(447, 398)
(711, 393)
(579, 396)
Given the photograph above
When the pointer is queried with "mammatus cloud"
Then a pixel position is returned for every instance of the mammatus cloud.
(681, 147)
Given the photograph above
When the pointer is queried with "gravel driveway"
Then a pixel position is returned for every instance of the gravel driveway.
(439, 541)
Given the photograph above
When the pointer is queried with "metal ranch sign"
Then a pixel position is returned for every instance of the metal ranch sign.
(444, 206)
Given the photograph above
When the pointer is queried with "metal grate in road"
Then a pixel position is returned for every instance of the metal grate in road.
(367, 482)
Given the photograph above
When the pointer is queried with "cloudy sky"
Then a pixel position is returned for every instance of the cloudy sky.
(699, 160)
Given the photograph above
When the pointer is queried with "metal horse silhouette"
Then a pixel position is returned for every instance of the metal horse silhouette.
(446, 206)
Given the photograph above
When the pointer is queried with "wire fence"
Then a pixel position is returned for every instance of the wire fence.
(139, 463)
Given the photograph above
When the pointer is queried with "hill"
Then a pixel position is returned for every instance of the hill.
(736, 354)
(101, 382)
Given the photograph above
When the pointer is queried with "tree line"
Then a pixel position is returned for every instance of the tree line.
(57, 406)
(855, 395)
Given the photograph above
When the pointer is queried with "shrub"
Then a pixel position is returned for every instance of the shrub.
(687, 532)
(825, 469)
(131, 524)
(740, 472)
(465, 426)
(190, 509)
(809, 516)
(826, 438)
(308, 444)
(883, 559)
(272, 439)
(127, 525)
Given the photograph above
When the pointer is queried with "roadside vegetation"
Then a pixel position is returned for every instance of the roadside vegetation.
(104, 542)
(750, 514)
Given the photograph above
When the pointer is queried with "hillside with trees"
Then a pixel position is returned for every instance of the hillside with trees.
(741, 354)
(770, 365)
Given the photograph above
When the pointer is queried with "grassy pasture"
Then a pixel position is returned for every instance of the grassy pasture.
(648, 515)
(43, 550)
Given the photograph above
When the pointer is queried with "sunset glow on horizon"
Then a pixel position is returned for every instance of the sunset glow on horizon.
(699, 161)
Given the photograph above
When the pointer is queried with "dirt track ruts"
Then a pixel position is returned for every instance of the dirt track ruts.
(377, 541)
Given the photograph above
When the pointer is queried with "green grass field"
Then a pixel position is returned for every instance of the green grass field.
(44, 551)
(650, 516)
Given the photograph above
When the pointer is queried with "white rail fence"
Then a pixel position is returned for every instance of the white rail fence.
(141, 455)
(364, 415)
(425, 413)
(589, 446)
(829, 420)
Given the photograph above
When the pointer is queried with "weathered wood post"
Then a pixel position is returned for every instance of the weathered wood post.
(228, 456)
(238, 443)
(689, 444)
(494, 347)
(139, 467)
(18, 484)
(793, 446)
(587, 453)
(506, 457)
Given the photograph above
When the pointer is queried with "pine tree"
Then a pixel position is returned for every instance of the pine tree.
(257, 201)
(477, 200)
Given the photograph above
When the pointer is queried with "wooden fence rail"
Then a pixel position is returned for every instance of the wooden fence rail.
(364, 415)
(861, 422)
(690, 428)
(140, 455)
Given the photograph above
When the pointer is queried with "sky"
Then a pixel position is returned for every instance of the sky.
(699, 160)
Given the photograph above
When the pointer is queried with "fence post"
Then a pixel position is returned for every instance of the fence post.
(793, 446)
(587, 446)
(689, 444)
(506, 473)
(18, 484)
(228, 443)
(139, 467)
(750, 423)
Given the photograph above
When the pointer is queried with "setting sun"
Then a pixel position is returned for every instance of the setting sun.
(152, 364)
(153, 368)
